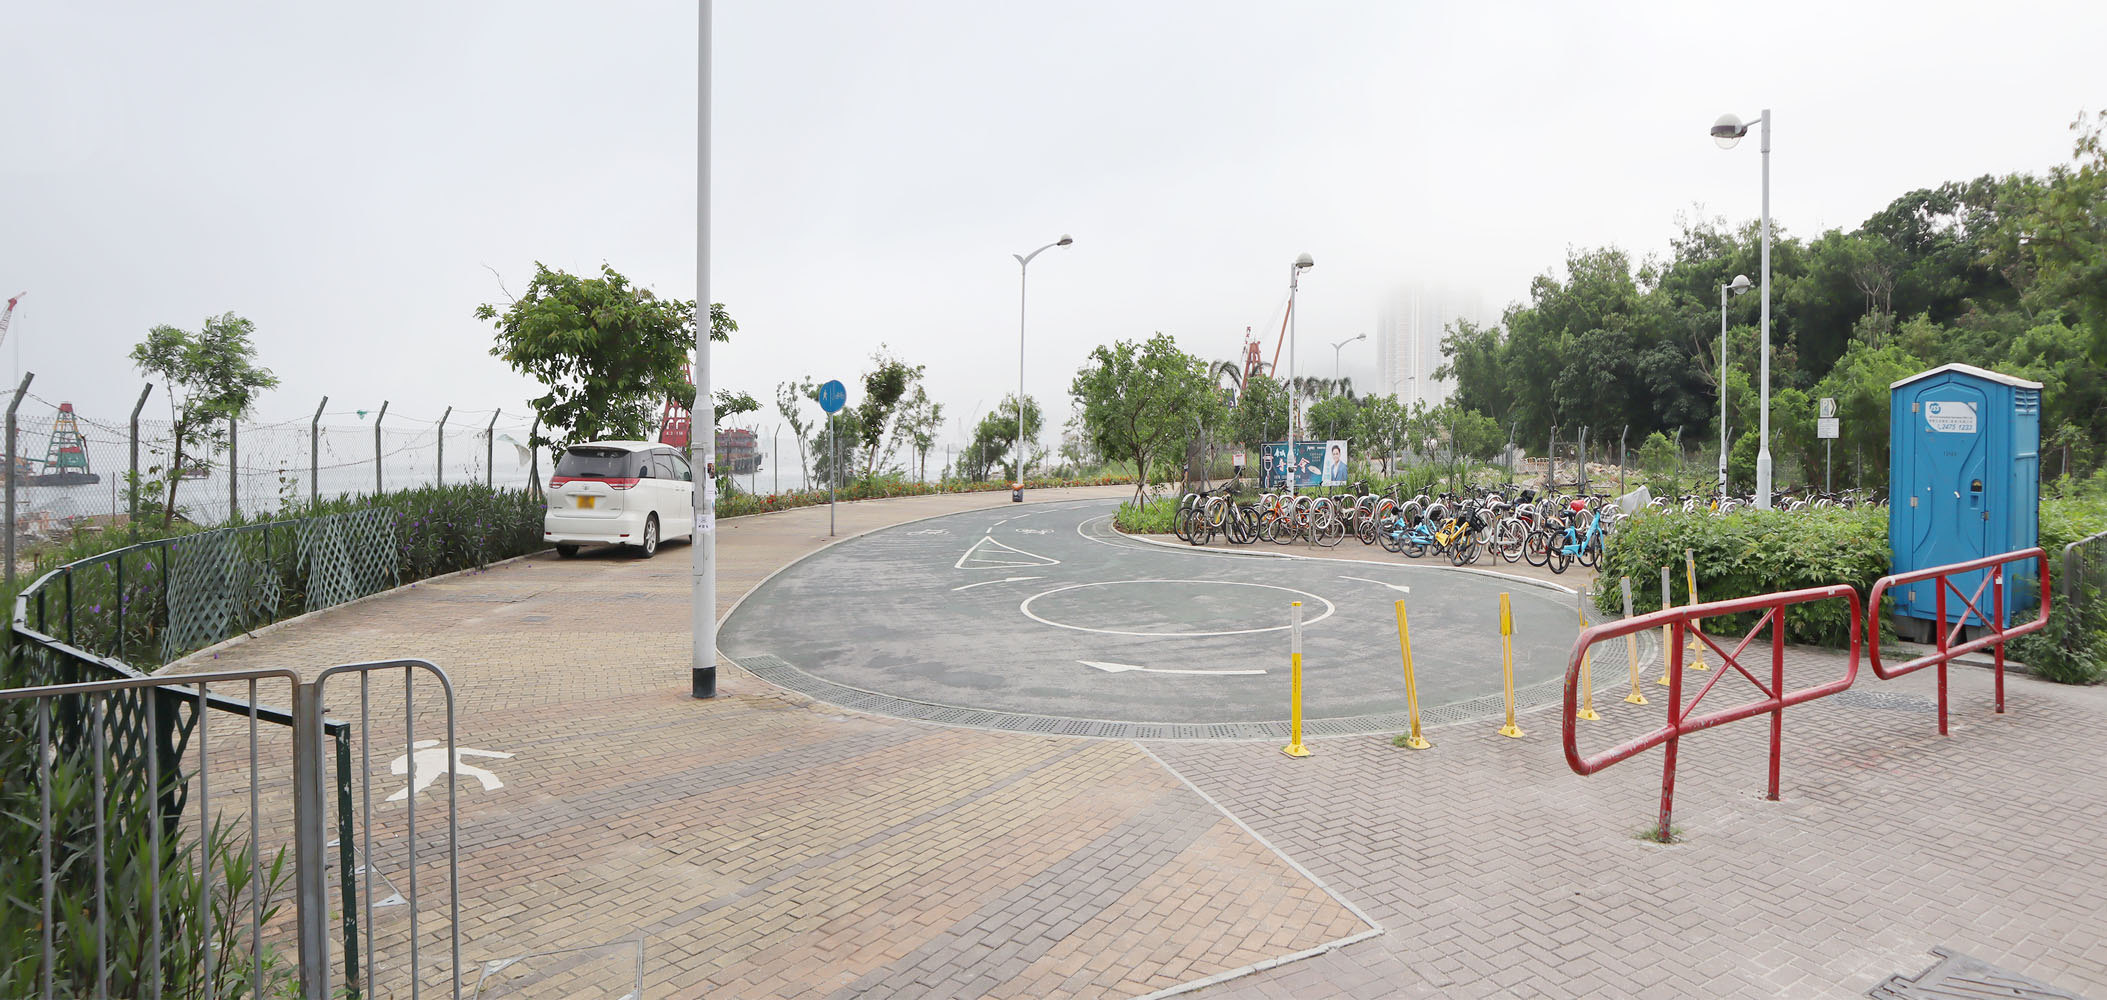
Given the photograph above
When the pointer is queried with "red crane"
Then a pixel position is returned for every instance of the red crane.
(8, 315)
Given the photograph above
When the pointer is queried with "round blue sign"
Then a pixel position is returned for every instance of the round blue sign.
(833, 396)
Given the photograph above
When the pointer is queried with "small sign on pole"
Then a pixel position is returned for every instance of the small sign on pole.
(832, 397)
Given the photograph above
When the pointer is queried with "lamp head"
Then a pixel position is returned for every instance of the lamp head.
(1063, 241)
(1304, 263)
(1360, 336)
(1739, 285)
(1728, 130)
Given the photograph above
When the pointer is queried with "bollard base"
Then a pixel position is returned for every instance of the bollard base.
(1512, 731)
(1635, 698)
(1295, 750)
(702, 682)
(1417, 742)
(1588, 714)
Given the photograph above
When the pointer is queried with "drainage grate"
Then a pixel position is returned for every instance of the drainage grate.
(1958, 977)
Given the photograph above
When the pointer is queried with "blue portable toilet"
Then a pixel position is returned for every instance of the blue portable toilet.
(1964, 483)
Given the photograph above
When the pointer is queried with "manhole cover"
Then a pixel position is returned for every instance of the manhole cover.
(1958, 977)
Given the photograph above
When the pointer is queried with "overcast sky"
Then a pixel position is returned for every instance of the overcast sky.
(348, 176)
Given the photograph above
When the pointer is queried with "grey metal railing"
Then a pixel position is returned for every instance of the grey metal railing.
(200, 919)
(2084, 570)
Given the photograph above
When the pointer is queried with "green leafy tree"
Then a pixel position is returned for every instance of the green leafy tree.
(1382, 429)
(211, 377)
(1139, 400)
(1261, 412)
(883, 388)
(609, 353)
(1335, 417)
(919, 420)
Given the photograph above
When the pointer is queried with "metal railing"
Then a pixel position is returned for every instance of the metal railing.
(125, 906)
(2084, 571)
(1682, 624)
(1996, 627)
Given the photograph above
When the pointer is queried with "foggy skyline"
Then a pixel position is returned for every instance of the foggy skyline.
(350, 179)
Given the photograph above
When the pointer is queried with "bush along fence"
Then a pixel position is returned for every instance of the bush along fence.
(1750, 553)
(125, 858)
(736, 504)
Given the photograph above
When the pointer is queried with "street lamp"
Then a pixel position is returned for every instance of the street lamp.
(1302, 263)
(1335, 353)
(1024, 261)
(1739, 285)
(1727, 131)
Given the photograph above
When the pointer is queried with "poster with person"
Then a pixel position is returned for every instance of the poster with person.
(1316, 463)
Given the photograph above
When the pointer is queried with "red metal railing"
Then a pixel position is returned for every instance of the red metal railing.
(1997, 631)
(1683, 718)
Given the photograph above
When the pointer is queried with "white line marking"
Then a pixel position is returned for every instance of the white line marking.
(1121, 668)
(983, 583)
(1026, 608)
(1400, 588)
(1018, 558)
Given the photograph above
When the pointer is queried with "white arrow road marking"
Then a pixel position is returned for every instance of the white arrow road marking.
(1033, 531)
(983, 583)
(1400, 588)
(1007, 558)
(931, 531)
(1121, 668)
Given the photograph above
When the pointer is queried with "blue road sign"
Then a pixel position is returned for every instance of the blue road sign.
(833, 396)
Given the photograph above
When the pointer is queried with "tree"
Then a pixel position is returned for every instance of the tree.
(883, 388)
(790, 398)
(996, 434)
(919, 420)
(211, 377)
(1261, 412)
(609, 354)
(1139, 400)
(1382, 429)
(1335, 417)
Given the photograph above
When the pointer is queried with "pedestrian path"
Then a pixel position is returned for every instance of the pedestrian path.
(767, 845)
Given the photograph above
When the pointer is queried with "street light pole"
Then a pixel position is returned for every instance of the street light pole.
(1739, 285)
(1295, 270)
(1727, 131)
(1024, 263)
(1335, 353)
(702, 549)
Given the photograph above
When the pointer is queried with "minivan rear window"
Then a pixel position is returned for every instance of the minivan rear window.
(599, 463)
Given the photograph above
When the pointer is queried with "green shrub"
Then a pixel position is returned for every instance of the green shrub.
(2073, 648)
(1749, 553)
(1150, 518)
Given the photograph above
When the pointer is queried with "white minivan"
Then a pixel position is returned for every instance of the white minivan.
(634, 493)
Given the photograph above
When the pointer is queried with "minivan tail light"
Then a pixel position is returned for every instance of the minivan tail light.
(620, 484)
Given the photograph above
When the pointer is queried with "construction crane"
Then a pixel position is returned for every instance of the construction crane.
(8, 315)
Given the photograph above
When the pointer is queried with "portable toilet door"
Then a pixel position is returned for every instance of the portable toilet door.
(1963, 453)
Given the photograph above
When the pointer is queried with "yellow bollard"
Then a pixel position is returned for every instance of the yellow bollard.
(1587, 662)
(1667, 601)
(1697, 649)
(1404, 646)
(1631, 645)
(1507, 667)
(1295, 747)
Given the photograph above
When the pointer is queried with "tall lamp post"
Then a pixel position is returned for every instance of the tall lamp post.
(1739, 285)
(1335, 353)
(1024, 262)
(1727, 131)
(1302, 263)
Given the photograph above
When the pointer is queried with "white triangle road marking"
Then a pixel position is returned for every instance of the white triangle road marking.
(1007, 579)
(1121, 668)
(1400, 588)
(1009, 557)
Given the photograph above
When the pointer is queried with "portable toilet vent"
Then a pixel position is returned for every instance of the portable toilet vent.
(1964, 483)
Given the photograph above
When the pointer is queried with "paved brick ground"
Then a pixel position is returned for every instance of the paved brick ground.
(762, 845)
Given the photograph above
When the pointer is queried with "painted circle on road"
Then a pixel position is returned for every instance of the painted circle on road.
(1172, 592)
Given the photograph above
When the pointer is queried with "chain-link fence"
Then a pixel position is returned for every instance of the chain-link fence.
(72, 471)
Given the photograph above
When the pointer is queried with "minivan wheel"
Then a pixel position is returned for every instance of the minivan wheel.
(567, 551)
(650, 543)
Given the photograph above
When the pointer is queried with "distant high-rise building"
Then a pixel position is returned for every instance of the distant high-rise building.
(1409, 328)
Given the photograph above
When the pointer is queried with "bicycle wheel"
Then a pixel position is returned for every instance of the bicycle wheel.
(1557, 555)
(1181, 523)
(1508, 538)
(1536, 547)
(1365, 530)
(1591, 551)
(1414, 548)
(1330, 531)
(1464, 551)
(1390, 534)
